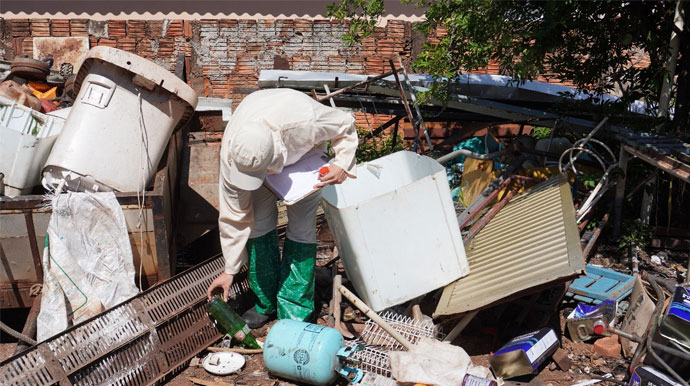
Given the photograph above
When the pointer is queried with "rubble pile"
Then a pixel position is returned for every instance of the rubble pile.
(489, 261)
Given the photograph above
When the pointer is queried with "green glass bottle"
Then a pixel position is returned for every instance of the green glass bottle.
(228, 322)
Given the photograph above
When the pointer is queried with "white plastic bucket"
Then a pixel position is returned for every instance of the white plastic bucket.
(125, 111)
(26, 137)
(396, 229)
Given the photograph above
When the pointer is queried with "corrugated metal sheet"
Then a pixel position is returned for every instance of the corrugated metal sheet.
(533, 241)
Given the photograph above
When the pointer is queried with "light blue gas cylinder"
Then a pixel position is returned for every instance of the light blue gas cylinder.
(309, 353)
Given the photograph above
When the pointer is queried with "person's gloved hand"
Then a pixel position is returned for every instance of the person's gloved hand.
(335, 175)
(224, 281)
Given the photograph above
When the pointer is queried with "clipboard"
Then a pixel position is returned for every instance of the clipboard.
(297, 181)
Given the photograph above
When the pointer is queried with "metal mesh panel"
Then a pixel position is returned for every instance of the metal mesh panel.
(165, 300)
(134, 364)
(377, 342)
(90, 340)
(135, 343)
(29, 369)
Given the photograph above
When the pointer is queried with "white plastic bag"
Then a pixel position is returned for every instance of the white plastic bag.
(87, 262)
(434, 363)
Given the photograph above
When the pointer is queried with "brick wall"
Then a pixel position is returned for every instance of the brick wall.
(225, 55)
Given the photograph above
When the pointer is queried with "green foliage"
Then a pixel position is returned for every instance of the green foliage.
(361, 14)
(541, 133)
(377, 147)
(634, 233)
(594, 44)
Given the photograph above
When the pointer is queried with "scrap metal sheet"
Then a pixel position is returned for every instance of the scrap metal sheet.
(71, 50)
(138, 342)
(531, 242)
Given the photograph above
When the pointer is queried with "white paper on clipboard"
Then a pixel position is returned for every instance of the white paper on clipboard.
(297, 181)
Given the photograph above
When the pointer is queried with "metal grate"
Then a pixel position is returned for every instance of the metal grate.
(135, 343)
(377, 342)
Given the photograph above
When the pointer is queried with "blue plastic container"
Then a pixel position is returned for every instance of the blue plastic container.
(306, 352)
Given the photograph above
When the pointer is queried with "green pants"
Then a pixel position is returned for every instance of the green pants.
(286, 285)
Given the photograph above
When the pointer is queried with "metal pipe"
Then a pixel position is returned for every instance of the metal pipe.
(650, 335)
(466, 216)
(403, 98)
(360, 84)
(420, 119)
(381, 128)
(595, 236)
(655, 345)
(357, 302)
(492, 213)
(488, 193)
(328, 91)
(470, 154)
(584, 140)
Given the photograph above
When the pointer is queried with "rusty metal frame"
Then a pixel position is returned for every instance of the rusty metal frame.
(663, 162)
(137, 342)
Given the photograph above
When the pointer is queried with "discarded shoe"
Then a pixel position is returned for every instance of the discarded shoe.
(256, 320)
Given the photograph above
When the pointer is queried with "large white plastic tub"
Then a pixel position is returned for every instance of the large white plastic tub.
(396, 229)
(125, 111)
(26, 137)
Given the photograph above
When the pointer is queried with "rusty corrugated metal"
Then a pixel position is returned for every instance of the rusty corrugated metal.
(533, 241)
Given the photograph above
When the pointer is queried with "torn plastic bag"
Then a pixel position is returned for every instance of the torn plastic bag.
(87, 262)
(434, 363)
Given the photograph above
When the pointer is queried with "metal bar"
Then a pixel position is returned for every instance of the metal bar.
(35, 256)
(381, 128)
(460, 326)
(640, 185)
(595, 236)
(360, 84)
(29, 329)
(403, 98)
(505, 111)
(584, 141)
(652, 328)
(492, 213)
(665, 163)
(328, 91)
(496, 184)
(481, 202)
(470, 154)
(395, 135)
(620, 192)
(657, 346)
(420, 118)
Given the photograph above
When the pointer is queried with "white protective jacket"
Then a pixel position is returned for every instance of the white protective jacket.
(299, 124)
